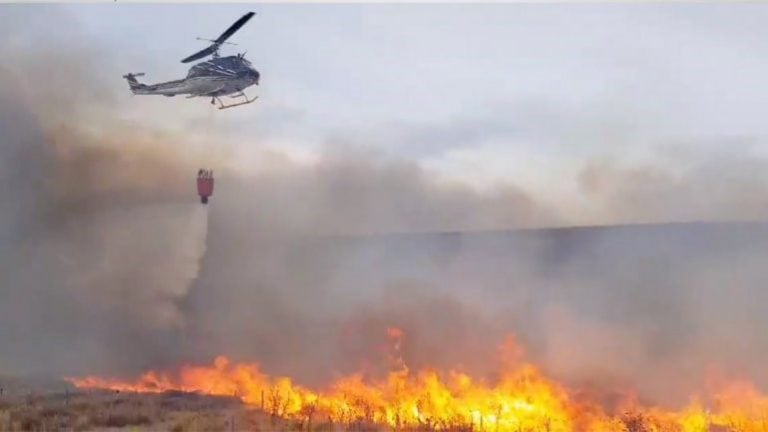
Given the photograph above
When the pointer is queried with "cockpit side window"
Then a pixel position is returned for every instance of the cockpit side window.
(233, 62)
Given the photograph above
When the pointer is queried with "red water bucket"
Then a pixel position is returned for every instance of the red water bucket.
(204, 185)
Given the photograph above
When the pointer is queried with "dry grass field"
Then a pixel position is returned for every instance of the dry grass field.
(112, 411)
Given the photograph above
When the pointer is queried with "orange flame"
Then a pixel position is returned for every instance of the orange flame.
(523, 399)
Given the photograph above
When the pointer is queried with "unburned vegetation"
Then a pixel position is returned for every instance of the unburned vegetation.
(114, 411)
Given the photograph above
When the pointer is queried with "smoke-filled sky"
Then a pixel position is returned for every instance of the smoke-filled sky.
(380, 119)
(529, 94)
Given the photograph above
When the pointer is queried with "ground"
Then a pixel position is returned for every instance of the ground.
(113, 411)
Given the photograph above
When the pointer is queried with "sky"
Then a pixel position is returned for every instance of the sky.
(583, 107)
(486, 93)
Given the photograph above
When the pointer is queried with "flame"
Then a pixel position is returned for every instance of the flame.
(522, 399)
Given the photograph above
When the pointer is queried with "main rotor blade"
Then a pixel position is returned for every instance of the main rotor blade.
(224, 36)
(203, 53)
(235, 27)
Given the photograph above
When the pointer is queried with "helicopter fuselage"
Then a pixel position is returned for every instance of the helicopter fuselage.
(234, 72)
(216, 77)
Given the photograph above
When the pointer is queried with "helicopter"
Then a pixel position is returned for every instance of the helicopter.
(214, 78)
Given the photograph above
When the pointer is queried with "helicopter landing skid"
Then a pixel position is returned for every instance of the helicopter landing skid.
(246, 102)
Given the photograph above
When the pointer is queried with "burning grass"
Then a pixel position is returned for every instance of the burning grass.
(522, 400)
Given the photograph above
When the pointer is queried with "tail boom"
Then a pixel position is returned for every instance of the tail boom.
(170, 88)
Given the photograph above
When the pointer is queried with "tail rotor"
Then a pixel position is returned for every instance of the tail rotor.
(132, 81)
(132, 76)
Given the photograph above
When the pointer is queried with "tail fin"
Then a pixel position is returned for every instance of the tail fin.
(133, 82)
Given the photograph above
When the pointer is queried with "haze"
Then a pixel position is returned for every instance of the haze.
(382, 119)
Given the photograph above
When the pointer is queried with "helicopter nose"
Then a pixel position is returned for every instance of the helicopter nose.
(251, 74)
